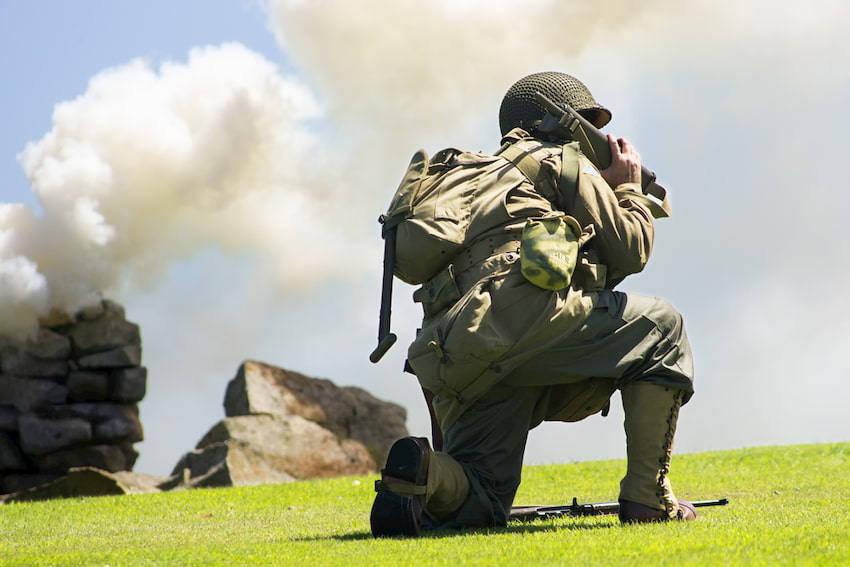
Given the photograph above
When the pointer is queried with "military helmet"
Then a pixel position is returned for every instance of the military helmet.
(519, 109)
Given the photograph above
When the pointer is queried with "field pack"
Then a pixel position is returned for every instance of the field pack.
(430, 210)
(426, 225)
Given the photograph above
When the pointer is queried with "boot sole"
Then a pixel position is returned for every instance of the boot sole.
(395, 515)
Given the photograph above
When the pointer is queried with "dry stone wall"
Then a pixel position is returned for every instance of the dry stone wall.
(69, 398)
(69, 418)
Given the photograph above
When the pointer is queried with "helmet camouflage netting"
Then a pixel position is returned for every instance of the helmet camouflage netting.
(519, 109)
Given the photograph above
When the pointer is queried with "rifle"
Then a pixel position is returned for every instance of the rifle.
(530, 513)
(565, 123)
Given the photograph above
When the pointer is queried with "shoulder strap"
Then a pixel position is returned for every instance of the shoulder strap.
(530, 168)
(568, 180)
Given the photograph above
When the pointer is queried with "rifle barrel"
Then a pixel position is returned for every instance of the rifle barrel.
(718, 502)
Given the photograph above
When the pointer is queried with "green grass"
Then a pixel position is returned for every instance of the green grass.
(789, 506)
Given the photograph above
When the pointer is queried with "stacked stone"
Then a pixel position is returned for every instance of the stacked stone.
(69, 398)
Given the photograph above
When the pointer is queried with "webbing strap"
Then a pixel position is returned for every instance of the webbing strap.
(530, 168)
(564, 197)
(662, 210)
(568, 180)
(483, 249)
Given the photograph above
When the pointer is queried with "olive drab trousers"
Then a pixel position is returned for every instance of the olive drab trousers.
(630, 343)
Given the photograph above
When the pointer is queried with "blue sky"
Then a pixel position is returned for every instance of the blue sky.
(753, 255)
(52, 48)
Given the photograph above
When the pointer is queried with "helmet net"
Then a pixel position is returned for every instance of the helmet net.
(520, 109)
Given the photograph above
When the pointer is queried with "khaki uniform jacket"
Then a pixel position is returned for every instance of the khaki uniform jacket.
(482, 317)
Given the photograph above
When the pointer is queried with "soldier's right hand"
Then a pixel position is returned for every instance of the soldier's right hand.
(625, 163)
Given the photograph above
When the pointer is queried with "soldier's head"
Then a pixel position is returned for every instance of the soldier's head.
(520, 110)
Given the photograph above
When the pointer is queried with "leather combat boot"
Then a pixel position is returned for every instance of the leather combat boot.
(634, 513)
(399, 504)
(650, 423)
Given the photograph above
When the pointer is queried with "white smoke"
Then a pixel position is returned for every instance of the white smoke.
(150, 166)
(410, 70)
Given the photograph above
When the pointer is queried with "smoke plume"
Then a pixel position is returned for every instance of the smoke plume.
(150, 166)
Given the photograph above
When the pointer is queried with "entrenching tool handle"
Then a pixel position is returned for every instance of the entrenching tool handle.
(386, 339)
(382, 348)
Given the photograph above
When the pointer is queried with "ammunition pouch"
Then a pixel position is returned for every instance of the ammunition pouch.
(438, 294)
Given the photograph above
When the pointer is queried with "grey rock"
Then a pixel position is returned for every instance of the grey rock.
(265, 448)
(22, 363)
(46, 354)
(95, 412)
(41, 436)
(348, 412)
(46, 345)
(126, 428)
(89, 481)
(88, 386)
(28, 394)
(128, 384)
(9, 418)
(112, 458)
(120, 357)
(16, 482)
(11, 458)
(106, 332)
(224, 464)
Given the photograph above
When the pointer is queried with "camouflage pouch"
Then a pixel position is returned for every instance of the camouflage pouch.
(549, 250)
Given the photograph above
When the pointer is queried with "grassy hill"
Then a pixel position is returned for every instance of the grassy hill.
(789, 506)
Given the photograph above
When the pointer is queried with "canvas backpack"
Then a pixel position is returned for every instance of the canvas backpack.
(429, 211)
(426, 224)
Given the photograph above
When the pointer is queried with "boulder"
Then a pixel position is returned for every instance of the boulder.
(258, 449)
(348, 412)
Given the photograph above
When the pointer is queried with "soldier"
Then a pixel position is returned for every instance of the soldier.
(500, 354)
